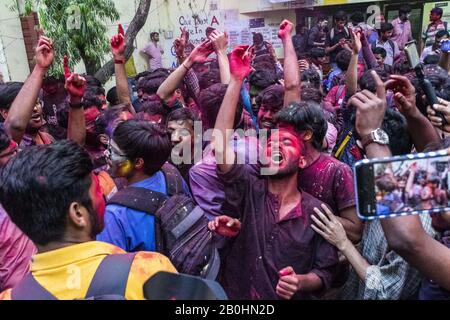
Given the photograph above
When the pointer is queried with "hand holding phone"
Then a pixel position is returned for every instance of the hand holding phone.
(445, 45)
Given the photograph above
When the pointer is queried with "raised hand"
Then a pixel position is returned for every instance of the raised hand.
(118, 44)
(219, 41)
(288, 284)
(75, 84)
(240, 63)
(225, 226)
(356, 41)
(285, 30)
(45, 53)
(404, 94)
(201, 52)
(180, 43)
(370, 108)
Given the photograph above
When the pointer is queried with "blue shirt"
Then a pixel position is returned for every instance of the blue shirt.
(333, 74)
(134, 230)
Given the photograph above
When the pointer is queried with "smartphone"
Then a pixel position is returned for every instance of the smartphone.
(412, 54)
(445, 45)
(403, 185)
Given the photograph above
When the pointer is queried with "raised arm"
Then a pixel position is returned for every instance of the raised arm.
(118, 47)
(420, 129)
(199, 55)
(291, 71)
(220, 43)
(368, 56)
(240, 69)
(75, 86)
(351, 78)
(22, 108)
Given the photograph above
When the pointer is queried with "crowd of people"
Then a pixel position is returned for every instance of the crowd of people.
(100, 191)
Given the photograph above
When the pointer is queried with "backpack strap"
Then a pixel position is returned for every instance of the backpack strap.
(140, 199)
(391, 43)
(174, 181)
(30, 289)
(110, 279)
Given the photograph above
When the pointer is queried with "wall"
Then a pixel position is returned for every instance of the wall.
(13, 58)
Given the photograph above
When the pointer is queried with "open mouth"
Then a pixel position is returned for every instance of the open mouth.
(268, 124)
(277, 158)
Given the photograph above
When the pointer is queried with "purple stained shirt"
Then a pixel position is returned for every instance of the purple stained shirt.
(15, 252)
(402, 32)
(265, 244)
(330, 181)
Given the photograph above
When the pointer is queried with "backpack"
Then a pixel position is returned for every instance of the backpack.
(181, 227)
(332, 33)
(113, 266)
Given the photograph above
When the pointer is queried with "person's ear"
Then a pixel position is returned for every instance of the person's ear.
(78, 215)
(104, 139)
(4, 113)
(302, 162)
(307, 137)
(139, 164)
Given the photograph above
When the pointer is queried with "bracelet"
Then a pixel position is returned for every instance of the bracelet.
(119, 61)
(76, 105)
(185, 66)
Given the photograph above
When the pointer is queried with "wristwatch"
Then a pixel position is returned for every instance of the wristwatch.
(378, 136)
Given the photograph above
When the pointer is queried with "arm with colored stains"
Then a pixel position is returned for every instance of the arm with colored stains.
(240, 69)
(198, 55)
(22, 107)
(290, 283)
(118, 47)
(291, 70)
(75, 86)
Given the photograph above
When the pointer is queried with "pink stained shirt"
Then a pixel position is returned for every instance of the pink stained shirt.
(402, 32)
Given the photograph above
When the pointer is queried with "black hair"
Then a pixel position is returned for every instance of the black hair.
(304, 116)
(298, 28)
(183, 114)
(384, 184)
(104, 124)
(38, 185)
(340, 15)
(92, 81)
(343, 59)
(146, 140)
(153, 107)
(366, 82)
(402, 66)
(112, 96)
(151, 82)
(441, 33)
(5, 140)
(357, 17)
(210, 101)
(438, 10)
(311, 93)
(90, 98)
(271, 96)
(208, 78)
(381, 51)
(142, 75)
(9, 92)
(386, 26)
(431, 59)
(395, 125)
(317, 53)
(152, 34)
(262, 78)
(311, 76)
(404, 9)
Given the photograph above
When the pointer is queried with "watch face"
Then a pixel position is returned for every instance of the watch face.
(380, 136)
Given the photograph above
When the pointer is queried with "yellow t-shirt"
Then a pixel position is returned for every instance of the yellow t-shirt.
(130, 68)
(67, 273)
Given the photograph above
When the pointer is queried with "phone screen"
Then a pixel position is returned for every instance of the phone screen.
(445, 46)
(403, 185)
(412, 54)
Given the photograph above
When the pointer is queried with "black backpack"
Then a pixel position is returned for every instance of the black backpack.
(181, 227)
(109, 282)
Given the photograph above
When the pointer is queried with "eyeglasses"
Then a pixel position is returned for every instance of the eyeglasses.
(112, 154)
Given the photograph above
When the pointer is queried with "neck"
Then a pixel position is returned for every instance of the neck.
(55, 245)
(311, 154)
(137, 177)
(286, 189)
